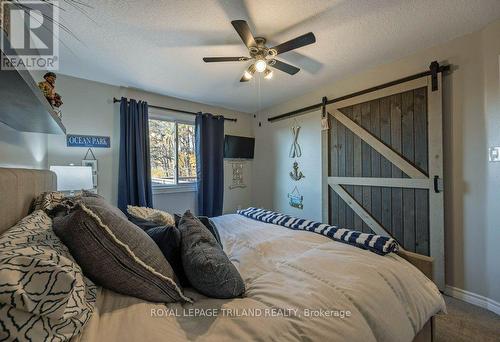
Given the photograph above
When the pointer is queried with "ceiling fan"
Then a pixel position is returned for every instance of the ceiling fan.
(263, 56)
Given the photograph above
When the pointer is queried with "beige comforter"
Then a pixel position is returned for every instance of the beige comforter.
(301, 286)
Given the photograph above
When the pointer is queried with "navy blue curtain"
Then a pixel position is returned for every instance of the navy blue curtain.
(134, 177)
(210, 164)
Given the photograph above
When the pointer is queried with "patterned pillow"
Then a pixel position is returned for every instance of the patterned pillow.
(56, 203)
(53, 203)
(43, 293)
(149, 214)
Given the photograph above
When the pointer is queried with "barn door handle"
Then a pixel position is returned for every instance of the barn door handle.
(438, 185)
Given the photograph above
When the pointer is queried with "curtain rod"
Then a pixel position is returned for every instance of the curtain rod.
(115, 100)
(434, 69)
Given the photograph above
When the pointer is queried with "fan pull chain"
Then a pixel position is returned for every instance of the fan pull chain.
(260, 99)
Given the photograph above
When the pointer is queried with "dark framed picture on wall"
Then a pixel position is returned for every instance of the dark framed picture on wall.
(92, 163)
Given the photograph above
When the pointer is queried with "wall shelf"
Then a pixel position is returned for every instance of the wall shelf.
(23, 105)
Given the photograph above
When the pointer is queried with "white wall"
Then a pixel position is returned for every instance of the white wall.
(471, 125)
(490, 44)
(272, 166)
(88, 109)
(22, 150)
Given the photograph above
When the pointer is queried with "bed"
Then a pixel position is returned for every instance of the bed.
(301, 286)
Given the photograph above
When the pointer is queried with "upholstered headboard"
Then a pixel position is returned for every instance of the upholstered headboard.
(18, 188)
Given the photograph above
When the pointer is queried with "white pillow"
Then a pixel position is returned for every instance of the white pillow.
(149, 214)
(43, 292)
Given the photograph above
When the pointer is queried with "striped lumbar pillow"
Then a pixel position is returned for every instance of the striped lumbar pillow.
(375, 243)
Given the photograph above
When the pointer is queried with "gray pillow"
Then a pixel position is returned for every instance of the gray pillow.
(207, 267)
(207, 223)
(98, 201)
(117, 254)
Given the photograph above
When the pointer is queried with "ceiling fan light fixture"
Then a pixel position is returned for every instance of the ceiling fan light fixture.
(247, 75)
(261, 56)
(268, 74)
(260, 65)
(249, 72)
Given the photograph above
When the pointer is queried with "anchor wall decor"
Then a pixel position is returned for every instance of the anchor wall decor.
(296, 175)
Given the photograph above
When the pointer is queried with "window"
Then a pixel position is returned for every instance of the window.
(173, 159)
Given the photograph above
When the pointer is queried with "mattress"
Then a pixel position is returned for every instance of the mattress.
(301, 286)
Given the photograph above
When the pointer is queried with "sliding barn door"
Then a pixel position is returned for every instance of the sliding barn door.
(384, 167)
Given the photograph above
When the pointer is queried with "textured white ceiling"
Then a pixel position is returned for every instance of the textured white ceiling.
(158, 45)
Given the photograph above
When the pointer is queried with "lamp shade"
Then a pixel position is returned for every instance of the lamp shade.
(71, 178)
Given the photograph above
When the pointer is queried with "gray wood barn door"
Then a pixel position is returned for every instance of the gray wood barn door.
(383, 167)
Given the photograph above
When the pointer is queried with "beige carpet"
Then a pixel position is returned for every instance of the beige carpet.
(466, 322)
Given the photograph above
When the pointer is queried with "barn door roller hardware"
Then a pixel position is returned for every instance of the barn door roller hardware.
(434, 67)
(433, 71)
(324, 101)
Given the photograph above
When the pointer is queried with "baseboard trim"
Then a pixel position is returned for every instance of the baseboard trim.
(473, 298)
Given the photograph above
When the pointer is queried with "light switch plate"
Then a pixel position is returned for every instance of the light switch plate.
(494, 154)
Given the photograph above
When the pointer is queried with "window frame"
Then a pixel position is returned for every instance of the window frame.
(177, 187)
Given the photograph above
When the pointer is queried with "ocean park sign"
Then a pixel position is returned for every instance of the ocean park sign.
(73, 140)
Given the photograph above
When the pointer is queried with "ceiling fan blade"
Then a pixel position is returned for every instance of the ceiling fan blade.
(243, 30)
(295, 43)
(285, 67)
(225, 59)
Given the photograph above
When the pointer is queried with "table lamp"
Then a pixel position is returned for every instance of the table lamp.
(73, 178)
